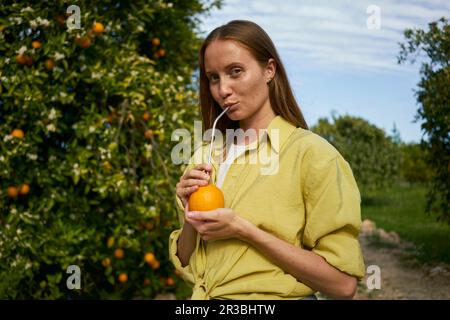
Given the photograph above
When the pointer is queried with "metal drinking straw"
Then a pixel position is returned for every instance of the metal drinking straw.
(213, 131)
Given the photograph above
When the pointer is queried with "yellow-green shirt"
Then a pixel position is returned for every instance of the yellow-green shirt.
(311, 201)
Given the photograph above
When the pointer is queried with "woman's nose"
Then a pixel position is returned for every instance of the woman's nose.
(224, 88)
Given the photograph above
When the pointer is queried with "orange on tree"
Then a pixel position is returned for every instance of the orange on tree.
(123, 277)
(155, 264)
(28, 61)
(21, 59)
(110, 242)
(61, 20)
(18, 133)
(106, 262)
(24, 189)
(161, 53)
(170, 281)
(149, 133)
(147, 282)
(36, 44)
(149, 258)
(49, 64)
(206, 198)
(84, 42)
(12, 192)
(146, 116)
(149, 226)
(156, 41)
(119, 253)
(98, 28)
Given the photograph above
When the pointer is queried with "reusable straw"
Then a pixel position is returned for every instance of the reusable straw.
(213, 131)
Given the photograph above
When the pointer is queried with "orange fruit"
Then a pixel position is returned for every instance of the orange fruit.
(161, 53)
(149, 258)
(123, 277)
(170, 281)
(149, 226)
(21, 59)
(106, 262)
(12, 192)
(147, 282)
(110, 242)
(36, 44)
(155, 264)
(18, 133)
(149, 134)
(156, 41)
(24, 189)
(49, 64)
(206, 198)
(28, 61)
(98, 28)
(84, 42)
(146, 116)
(119, 253)
(61, 20)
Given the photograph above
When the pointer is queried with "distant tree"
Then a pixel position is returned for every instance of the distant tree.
(372, 155)
(433, 96)
(414, 167)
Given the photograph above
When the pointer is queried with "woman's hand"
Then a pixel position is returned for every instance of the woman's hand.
(191, 180)
(222, 223)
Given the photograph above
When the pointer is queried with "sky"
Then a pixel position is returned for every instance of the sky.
(341, 56)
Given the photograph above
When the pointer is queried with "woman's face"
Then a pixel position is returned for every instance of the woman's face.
(236, 79)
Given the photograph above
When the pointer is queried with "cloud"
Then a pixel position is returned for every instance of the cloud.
(335, 35)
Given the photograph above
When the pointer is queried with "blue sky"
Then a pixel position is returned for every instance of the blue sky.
(335, 61)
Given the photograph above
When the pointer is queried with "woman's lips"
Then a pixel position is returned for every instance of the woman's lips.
(233, 107)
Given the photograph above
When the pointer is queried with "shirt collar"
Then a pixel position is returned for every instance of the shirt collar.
(282, 128)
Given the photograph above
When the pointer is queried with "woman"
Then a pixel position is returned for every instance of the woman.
(284, 235)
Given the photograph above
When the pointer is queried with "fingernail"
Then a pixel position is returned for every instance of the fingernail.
(190, 214)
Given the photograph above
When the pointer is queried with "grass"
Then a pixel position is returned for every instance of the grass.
(402, 209)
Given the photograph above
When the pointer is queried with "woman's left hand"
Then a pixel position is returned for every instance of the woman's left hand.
(222, 223)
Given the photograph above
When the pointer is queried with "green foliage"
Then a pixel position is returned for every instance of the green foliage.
(372, 155)
(414, 167)
(97, 112)
(433, 95)
(401, 209)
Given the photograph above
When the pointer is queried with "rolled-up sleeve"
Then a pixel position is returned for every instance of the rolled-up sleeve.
(333, 214)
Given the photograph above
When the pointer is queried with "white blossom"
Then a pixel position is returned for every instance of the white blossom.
(22, 50)
(52, 114)
(27, 9)
(96, 75)
(59, 56)
(17, 20)
(51, 127)
(32, 156)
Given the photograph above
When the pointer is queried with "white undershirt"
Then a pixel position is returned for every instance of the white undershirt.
(234, 152)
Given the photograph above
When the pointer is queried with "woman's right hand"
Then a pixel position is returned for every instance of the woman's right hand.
(191, 180)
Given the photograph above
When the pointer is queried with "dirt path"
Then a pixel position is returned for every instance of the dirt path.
(402, 277)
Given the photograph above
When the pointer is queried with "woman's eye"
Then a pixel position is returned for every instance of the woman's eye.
(213, 78)
(236, 71)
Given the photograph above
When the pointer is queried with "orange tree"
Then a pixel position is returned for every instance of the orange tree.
(432, 46)
(86, 117)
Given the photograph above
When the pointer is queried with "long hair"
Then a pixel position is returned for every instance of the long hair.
(257, 41)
